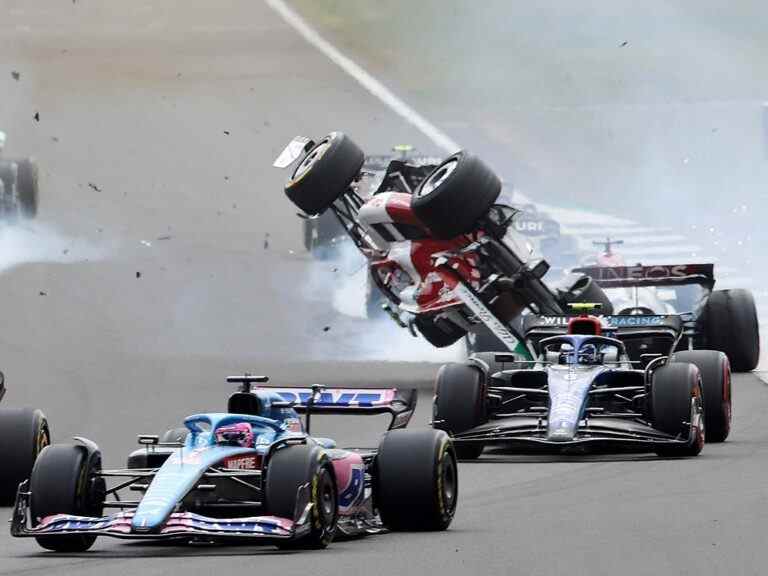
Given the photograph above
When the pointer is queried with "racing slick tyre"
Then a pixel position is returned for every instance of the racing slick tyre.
(290, 468)
(439, 333)
(64, 481)
(324, 173)
(673, 388)
(456, 195)
(416, 480)
(716, 387)
(728, 321)
(23, 435)
(27, 188)
(460, 404)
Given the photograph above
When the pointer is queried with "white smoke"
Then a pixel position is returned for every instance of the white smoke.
(340, 283)
(35, 242)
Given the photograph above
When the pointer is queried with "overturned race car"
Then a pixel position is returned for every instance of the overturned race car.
(443, 251)
(254, 472)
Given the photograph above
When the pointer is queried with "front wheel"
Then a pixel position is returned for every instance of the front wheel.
(325, 173)
(65, 481)
(24, 434)
(289, 469)
(460, 404)
(716, 387)
(456, 195)
(416, 480)
(677, 408)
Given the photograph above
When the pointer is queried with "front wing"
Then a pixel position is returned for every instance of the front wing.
(178, 525)
(596, 432)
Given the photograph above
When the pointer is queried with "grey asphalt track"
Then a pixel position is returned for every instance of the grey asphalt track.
(149, 276)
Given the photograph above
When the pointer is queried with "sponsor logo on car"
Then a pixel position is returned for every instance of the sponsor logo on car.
(249, 462)
(612, 321)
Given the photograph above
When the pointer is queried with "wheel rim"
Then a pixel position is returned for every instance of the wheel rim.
(449, 482)
(43, 439)
(438, 177)
(326, 503)
(314, 155)
(727, 404)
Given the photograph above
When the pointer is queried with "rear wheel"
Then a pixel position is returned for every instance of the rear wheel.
(325, 173)
(728, 321)
(416, 480)
(439, 333)
(23, 435)
(460, 404)
(675, 396)
(288, 469)
(457, 193)
(64, 481)
(716, 387)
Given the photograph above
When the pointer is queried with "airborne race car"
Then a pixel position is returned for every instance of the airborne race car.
(450, 261)
(23, 435)
(581, 391)
(325, 236)
(252, 473)
(445, 253)
(18, 186)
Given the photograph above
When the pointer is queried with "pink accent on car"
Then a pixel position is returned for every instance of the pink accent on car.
(240, 434)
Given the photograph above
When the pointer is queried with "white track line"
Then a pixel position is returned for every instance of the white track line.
(371, 84)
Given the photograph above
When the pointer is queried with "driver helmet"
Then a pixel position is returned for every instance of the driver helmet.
(588, 354)
(2, 140)
(240, 434)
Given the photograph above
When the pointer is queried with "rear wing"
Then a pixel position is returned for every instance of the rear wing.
(318, 399)
(400, 404)
(640, 276)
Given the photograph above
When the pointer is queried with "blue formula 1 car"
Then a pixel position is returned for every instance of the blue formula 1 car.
(581, 391)
(253, 472)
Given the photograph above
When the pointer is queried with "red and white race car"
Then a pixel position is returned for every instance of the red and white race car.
(446, 255)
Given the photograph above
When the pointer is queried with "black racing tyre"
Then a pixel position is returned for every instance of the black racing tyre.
(715, 373)
(27, 187)
(456, 195)
(460, 404)
(439, 333)
(673, 388)
(324, 173)
(728, 321)
(63, 481)
(23, 435)
(416, 480)
(289, 468)
(175, 435)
